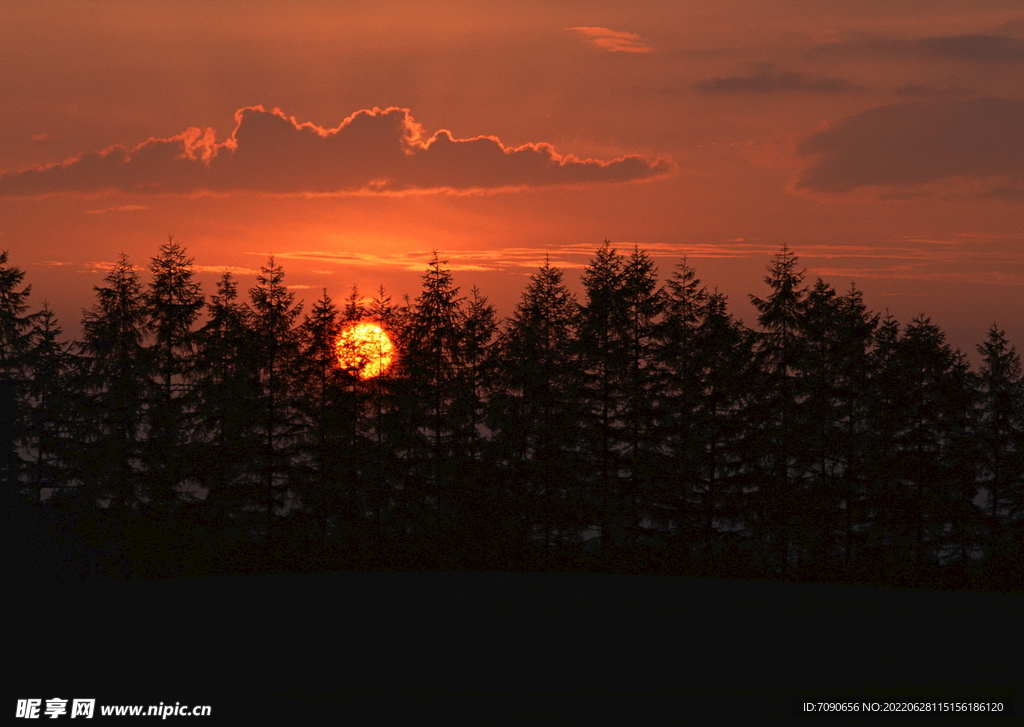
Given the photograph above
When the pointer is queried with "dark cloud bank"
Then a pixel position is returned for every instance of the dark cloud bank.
(372, 151)
(917, 143)
(978, 48)
(768, 78)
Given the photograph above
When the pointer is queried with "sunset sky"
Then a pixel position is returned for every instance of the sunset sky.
(883, 140)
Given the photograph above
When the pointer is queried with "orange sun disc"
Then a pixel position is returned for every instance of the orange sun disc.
(365, 349)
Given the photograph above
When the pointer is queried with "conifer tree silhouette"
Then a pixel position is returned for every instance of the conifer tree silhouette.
(15, 342)
(173, 302)
(51, 364)
(927, 404)
(272, 324)
(328, 445)
(838, 335)
(116, 376)
(534, 414)
(1000, 438)
(781, 316)
(431, 365)
(643, 302)
(226, 384)
(830, 441)
(601, 358)
(385, 422)
(704, 357)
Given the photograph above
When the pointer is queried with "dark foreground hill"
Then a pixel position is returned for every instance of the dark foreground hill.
(409, 647)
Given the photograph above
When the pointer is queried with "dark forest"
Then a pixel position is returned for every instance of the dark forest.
(640, 429)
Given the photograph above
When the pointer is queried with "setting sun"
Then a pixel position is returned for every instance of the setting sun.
(365, 348)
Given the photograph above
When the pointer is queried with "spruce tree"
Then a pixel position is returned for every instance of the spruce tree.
(117, 370)
(838, 335)
(50, 396)
(534, 412)
(928, 486)
(643, 305)
(386, 435)
(1000, 437)
(271, 320)
(615, 346)
(704, 358)
(15, 341)
(602, 359)
(173, 301)
(431, 366)
(225, 442)
(781, 316)
(328, 444)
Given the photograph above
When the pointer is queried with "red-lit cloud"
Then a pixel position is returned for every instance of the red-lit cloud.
(613, 41)
(370, 152)
(910, 144)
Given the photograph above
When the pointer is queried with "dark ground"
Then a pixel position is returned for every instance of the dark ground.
(408, 648)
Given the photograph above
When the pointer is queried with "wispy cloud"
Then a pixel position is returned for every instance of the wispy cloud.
(224, 269)
(99, 266)
(375, 151)
(613, 41)
(119, 208)
(527, 259)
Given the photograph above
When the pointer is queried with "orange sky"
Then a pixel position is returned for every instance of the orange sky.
(883, 141)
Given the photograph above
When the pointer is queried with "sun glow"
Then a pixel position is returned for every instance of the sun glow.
(365, 349)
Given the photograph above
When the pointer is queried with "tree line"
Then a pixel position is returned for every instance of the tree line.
(642, 429)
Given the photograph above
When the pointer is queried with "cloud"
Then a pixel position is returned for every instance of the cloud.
(221, 269)
(119, 208)
(526, 259)
(768, 78)
(978, 48)
(923, 90)
(613, 41)
(371, 152)
(1004, 194)
(972, 47)
(918, 143)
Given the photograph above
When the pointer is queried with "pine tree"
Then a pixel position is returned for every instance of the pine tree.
(704, 358)
(677, 404)
(173, 302)
(616, 349)
(271, 320)
(534, 412)
(116, 374)
(386, 421)
(15, 341)
(643, 305)
(601, 359)
(928, 481)
(781, 316)
(225, 443)
(50, 395)
(328, 446)
(1000, 437)
(838, 335)
(483, 525)
(431, 366)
